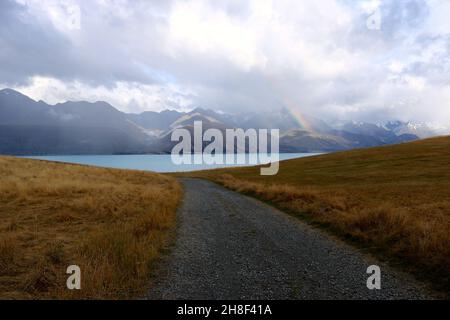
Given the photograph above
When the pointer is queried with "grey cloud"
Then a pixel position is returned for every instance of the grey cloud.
(398, 15)
(28, 48)
(129, 46)
(33, 47)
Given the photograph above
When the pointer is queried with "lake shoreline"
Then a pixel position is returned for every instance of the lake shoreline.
(161, 163)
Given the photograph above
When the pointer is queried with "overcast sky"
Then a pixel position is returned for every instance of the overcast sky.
(358, 60)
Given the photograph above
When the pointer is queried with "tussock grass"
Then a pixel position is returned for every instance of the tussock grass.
(393, 200)
(111, 223)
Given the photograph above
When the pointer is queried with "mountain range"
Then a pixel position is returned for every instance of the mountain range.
(29, 127)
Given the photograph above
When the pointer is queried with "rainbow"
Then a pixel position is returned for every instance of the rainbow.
(295, 112)
(291, 107)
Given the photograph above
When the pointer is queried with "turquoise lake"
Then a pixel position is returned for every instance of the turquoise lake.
(149, 162)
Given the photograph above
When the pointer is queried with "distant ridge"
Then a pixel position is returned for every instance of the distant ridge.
(29, 127)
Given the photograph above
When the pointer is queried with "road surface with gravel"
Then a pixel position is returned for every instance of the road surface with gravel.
(230, 246)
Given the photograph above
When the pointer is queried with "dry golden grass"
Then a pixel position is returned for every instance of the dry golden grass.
(111, 223)
(393, 200)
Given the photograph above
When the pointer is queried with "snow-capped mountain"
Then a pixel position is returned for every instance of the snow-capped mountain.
(422, 130)
(31, 127)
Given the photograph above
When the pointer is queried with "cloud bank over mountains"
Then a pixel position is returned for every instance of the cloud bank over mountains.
(315, 57)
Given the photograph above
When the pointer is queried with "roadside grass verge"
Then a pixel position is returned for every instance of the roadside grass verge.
(393, 201)
(113, 224)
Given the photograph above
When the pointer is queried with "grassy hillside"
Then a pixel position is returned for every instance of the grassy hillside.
(394, 200)
(111, 223)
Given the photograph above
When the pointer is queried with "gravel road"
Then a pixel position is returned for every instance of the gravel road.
(230, 246)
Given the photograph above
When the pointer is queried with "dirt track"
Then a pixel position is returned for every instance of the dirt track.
(233, 247)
